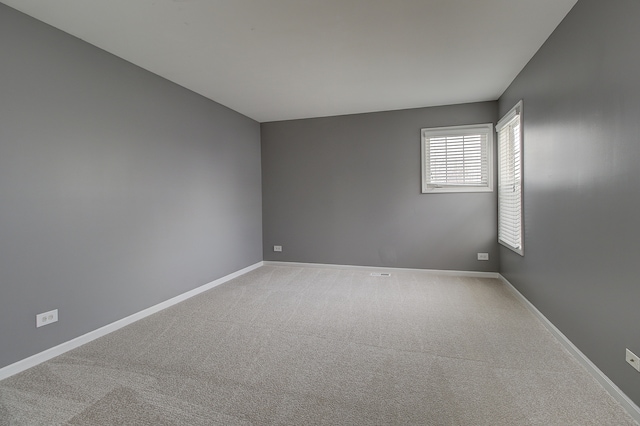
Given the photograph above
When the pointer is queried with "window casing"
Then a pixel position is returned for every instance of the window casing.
(457, 159)
(510, 180)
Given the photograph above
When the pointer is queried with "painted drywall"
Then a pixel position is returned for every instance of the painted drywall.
(346, 190)
(118, 189)
(581, 96)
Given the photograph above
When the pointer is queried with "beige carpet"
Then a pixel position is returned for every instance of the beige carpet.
(304, 346)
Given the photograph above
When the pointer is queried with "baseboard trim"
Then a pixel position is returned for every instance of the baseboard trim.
(46, 355)
(613, 390)
(385, 269)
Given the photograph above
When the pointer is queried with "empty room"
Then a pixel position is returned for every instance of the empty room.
(301, 212)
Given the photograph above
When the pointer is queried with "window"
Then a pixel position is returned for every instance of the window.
(510, 223)
(457, 159)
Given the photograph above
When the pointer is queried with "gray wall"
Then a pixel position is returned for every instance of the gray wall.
(118, 189)
(346, 190)
(581, 97)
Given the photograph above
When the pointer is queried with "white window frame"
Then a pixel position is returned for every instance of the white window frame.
(510, 137)
(485, 131)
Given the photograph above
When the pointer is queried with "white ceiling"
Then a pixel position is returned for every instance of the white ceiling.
(285, 59)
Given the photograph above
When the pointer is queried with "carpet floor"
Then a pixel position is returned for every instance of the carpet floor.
(318, 346)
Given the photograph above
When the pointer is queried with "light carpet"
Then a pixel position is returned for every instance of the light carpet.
(316, 346)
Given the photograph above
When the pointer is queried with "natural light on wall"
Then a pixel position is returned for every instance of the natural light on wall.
(510, 220)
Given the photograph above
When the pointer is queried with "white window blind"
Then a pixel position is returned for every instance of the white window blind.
(457, 158)
(510, 223)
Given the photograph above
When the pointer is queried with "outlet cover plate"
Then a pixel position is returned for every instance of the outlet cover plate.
(483, 256)
(46, 318)
(277, 248)
(633, 360)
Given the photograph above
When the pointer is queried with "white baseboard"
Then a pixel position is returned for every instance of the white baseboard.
(386, 269)
(610, 387)
(41, 357)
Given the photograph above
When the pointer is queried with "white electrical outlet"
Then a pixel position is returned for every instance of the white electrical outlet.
(633, 360)
(46, 318)
(483, 256)
(277, 248)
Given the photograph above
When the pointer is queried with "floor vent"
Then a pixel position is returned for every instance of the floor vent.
(380, 274)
